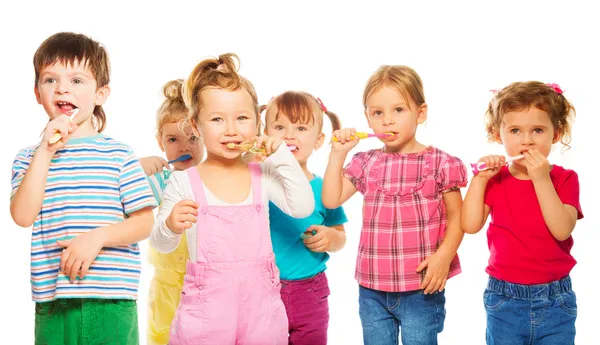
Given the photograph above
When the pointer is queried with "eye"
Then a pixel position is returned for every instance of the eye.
(172, 140)
(514, 131)
(243, 118)
(302, 129)
(377, 113)
(193, 138)
(77, 81)
(217, 119)
(49, 80)
(399, 110)
(538, 130)
(278, 128)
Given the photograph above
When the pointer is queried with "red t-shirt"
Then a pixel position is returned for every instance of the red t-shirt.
(522, 249)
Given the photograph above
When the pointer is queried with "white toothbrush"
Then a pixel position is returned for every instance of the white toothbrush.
(56, 137)
(477, 167)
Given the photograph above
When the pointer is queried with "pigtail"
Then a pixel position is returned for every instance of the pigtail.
(335, 120)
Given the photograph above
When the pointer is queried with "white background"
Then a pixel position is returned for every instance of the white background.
(460, 50)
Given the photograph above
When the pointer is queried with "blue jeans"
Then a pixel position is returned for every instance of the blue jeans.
(416, 316)
(530, 314)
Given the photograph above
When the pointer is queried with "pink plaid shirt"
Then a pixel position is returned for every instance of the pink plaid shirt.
(404, 217)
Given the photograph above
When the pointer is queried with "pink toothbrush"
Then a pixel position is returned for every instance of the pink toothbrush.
(477, 167)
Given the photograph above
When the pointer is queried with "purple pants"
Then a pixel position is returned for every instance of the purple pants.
(307, 309)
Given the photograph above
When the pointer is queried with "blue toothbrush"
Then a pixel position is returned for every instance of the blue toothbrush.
(310, 234)
(182, 158)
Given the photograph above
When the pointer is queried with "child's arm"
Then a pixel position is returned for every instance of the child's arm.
(438, 264)
(474, 210)
(559, 217)
(81, 251)
(289, 188)
(29, 179)
(26, 202)
(176, 214)
(337, 188)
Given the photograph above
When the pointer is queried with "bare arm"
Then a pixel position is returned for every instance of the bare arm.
(454, 234)
(559, 218)
(474, 211)
(26, 204)
(339, 241)
(131, 230)
(336, 188)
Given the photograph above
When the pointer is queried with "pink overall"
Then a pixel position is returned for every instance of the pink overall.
(231, 294)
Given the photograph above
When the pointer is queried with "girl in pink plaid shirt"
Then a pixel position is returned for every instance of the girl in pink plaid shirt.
(411, 213)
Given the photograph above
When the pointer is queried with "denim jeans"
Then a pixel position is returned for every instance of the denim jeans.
(416, 317)
(530, 314)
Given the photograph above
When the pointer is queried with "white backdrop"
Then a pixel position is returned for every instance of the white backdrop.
(461, 51)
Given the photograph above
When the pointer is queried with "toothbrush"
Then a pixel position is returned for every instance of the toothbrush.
(252, 148)
(308, 234)
(182, 158)
(363, 135)
(477, 167)
(56, 137)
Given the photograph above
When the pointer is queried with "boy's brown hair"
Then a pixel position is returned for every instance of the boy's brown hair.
(71, 48)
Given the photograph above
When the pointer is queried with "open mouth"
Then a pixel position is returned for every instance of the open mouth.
(391, 135)
(232, 145)
(65, 107)
(292, 148)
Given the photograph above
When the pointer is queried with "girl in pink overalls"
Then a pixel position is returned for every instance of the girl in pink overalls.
(231, 292)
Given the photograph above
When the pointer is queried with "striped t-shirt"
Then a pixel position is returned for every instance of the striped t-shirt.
(92, 182)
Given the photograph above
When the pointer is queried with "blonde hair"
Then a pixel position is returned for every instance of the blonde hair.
(302, 107)
(220, 73)
(402, 78)
(69, 48)
(172, 109)
(523, 95)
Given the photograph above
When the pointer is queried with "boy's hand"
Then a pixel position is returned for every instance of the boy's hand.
(62, 125)
(153, 164)
(79, 253)
(324, 240)
(182, 216)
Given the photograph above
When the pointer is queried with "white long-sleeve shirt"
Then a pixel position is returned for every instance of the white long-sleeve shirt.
(283, 182)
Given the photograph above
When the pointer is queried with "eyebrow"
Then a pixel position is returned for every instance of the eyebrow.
(394, 105)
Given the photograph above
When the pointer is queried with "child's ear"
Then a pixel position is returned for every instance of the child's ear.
(557, 134)
(496, 135)
(38, 98)
(102, 94)
(320, 141)
(422, 115)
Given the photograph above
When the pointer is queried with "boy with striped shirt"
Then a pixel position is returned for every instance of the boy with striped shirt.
(87, 199)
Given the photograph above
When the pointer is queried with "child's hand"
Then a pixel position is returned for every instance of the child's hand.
(345, 141)
(182, 216)
(271, 145)
(494, 163)
(436, 275)
(153, 164)
(537, 165)
(79, 253)
(62, 125)
(324, 240)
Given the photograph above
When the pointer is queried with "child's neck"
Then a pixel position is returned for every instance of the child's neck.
(85, 129)
(216, 161)
(307, 172)
(410, 146)
(518, 171)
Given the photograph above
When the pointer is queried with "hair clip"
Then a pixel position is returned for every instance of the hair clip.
(556, 88)
(494, 91)
(323, 108)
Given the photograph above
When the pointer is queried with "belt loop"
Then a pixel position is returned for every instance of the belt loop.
(198, 275)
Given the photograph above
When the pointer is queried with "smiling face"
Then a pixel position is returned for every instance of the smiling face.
(388, 111)
(62, 88)
(226, 117)
(527, 129)
(301, 138)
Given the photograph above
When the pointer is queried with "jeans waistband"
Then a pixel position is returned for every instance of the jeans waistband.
(531, 292)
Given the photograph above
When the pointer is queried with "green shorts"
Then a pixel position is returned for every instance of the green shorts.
(86, 322)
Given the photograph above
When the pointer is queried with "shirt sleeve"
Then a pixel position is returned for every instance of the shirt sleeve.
(335, 216)
(287, 186)
(453, 174)
(568, 191)
(355, 172)
(162, 238)
(19, 168)
(134, 189)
